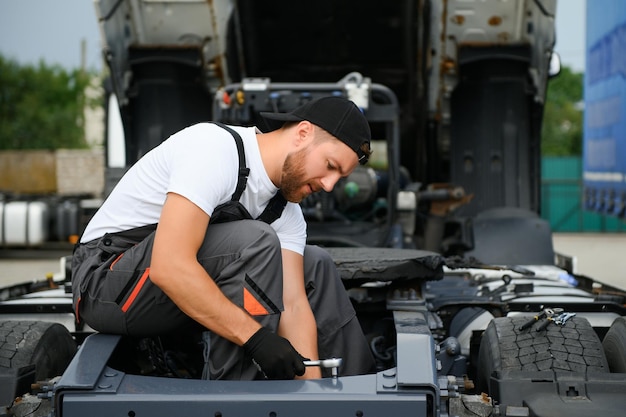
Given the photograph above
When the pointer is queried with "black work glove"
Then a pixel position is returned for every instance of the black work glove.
(274, 355)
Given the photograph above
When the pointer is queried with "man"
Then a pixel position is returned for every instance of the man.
(185, 236)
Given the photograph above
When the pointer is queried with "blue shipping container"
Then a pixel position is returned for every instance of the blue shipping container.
(604, 151)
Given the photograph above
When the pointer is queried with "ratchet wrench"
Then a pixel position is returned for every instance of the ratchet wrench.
(333, 363)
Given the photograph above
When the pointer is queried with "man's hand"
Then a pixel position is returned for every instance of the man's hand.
(274, 355)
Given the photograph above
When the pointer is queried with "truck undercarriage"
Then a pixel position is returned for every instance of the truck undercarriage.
(449, 338)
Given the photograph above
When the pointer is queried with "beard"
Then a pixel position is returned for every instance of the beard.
(292, 178)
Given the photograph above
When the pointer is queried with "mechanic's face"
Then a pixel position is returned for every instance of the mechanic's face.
(318, 166)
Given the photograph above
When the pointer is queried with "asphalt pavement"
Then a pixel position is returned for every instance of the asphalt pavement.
(22, 265)
(601, 256)
(597, 255)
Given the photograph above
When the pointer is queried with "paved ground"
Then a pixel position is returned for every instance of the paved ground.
(600, 256)
(27, 265)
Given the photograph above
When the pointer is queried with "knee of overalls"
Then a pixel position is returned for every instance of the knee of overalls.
(241, 234)
(241, 247)
(260, 233)
(316, 258)
(320, 271)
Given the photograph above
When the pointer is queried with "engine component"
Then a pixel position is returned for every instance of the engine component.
(358, 189)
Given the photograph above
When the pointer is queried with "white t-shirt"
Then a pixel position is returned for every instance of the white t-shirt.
(200, 163)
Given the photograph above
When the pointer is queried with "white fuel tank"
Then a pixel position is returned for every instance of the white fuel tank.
(23, 223)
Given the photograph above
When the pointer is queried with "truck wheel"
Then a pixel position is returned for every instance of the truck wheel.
(573, 347)
(614, 344)
(48, 346)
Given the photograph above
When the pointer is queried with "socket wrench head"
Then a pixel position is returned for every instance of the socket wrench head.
(331, 363)
(325, 363)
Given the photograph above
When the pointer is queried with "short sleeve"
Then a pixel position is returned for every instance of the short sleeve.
(204, 165)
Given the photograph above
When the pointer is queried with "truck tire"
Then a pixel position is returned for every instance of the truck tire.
(614, 344)
(573, 347)
(48, 346)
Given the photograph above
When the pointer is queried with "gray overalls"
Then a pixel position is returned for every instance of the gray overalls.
(113, 293)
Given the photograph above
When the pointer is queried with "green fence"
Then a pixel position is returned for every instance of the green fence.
(561, 199)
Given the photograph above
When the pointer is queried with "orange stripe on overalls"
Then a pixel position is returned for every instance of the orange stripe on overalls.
(115, 261)
(252, 305)
(136, 290)
(77, 307)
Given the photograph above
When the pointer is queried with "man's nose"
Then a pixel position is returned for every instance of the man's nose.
(328, 182)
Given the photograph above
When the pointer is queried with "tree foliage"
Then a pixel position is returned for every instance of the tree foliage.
(41, 107)
(562, 129)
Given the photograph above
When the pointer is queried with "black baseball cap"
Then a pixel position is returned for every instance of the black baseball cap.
(338, 116)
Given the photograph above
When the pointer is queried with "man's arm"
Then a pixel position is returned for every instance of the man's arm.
(176, 271)
(297, 322)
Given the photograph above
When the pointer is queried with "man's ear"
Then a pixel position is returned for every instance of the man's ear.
(305, 132)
